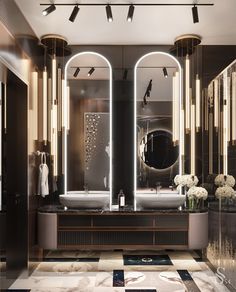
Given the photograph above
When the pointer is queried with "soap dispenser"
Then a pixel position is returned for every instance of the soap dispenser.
(121, 199)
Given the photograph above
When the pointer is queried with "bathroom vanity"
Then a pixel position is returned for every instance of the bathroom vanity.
(128, 229)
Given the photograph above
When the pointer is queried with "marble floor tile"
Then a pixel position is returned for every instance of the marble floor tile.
(162, 281)
(104, 279)
(110, 261)
(208, 282)
(64, 268)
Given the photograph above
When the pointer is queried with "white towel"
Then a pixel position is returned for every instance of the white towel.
(43, 189)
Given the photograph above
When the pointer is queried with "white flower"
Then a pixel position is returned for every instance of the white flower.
(225, 192)
(224, 180)
(186, 180)
(177, 179)
(230, 181)
(197, 192)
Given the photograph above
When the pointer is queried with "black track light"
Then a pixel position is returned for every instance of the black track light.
(49, 10)
(165, 73)
(90, 72)
(109, 13)
(195, 14)
(125, 75)
(76, 72)
(74, 13)
(148, 92)
(130, 13)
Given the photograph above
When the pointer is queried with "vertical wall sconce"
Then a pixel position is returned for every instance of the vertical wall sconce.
(34, 91)
(193, 138)
(187, 94)
(234, 108)
(45, 105)
(68, 107)
(175, 108)
(216, 103)
(198, 103)
(225, 123)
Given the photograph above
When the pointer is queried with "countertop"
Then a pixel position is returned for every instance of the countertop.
(125, 211)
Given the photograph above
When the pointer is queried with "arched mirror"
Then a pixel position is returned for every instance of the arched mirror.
(157, 125)
(88, 138)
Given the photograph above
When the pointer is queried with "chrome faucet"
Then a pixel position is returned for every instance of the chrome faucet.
(86, 189)
(158, 187)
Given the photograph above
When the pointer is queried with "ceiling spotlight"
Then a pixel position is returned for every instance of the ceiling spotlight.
(74, 13)
(76, 72)
(125, 74)
(195, 14)
(130, 13)
(49, 10)
(90, 72)
(165, 72)
(148, 92)
(109, 13)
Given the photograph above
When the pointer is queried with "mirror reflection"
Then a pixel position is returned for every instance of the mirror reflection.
(88, 137)
(158, 150)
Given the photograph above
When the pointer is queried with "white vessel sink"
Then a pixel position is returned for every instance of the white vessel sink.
(81, 199)
(160, 200)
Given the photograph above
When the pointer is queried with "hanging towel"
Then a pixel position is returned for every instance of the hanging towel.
(43, 189)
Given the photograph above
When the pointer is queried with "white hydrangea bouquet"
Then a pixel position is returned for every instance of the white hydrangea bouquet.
(196, 197)
(225, 191)
(186, 180)
(224, 180)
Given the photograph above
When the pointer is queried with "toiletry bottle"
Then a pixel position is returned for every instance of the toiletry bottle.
(121, 199)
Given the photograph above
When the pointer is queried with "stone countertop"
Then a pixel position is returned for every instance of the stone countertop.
(127, 210)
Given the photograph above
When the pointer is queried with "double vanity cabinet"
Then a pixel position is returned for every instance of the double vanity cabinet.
(159, 229)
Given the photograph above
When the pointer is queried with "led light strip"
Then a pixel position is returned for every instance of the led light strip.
(45, 104)
(216, 103)
(193, 138)
(187, 94)
(198, 104)
(34, 88)
(181, 124)
(225, 123)
(234, 107)
(0, 145)
(66, 118)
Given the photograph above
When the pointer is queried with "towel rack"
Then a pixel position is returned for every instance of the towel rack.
(38, 153)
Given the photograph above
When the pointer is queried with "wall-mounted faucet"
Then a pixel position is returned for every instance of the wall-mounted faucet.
(158, 187)
(86, 189)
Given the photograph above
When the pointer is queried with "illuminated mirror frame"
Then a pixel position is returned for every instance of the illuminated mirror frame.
(181, 120)
(65, 118)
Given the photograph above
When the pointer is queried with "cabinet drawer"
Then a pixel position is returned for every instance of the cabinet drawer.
(73, 220)
(172, 221)
(122, 238)
(171, 238)
(123, 221)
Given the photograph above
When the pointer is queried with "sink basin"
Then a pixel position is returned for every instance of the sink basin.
(81, 199)
(161, 200)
